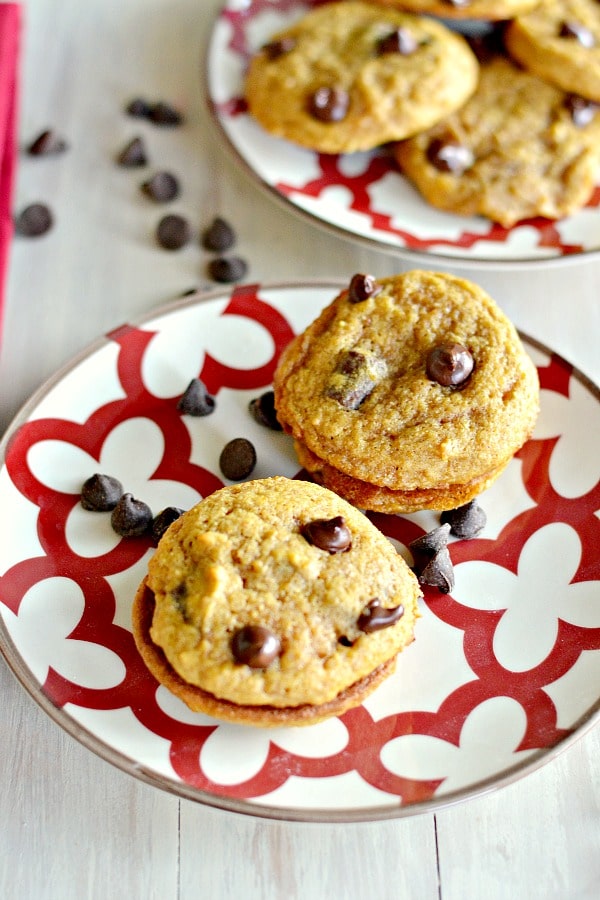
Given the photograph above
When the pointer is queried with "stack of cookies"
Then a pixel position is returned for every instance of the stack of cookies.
(507, 127)
(407, 393)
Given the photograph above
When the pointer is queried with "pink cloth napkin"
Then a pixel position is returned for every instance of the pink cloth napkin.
(10, 24)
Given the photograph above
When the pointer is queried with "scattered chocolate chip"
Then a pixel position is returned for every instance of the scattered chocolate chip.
(374, 616)
(165, 114)
(450, 365)
(173, 232)
(263, 411)
(432, 541)
(196, 401)
(237, 459)
(35, 220)
(578, 31)
(465, 521)
(332, 535)
(401, 40)
(438, 572)
(48, 143)
(101, 493)
(131, 517)
(432, 563)
(161, 522)
(227, 269)
(329, 104)
(218, 236)
(133, 154)
(275, 49)
(581, 110)
(255, 646)
(138, 108)
(449, 156)
(357, 374)
(162, 187)
(362, 287)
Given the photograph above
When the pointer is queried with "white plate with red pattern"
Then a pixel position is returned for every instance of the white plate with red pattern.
(504, 672)
(363, 196)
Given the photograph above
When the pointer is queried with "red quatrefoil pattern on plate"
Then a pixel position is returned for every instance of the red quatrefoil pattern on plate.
(503, 669)
(363, 194)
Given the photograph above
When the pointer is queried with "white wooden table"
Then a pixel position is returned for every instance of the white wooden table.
(72, 826)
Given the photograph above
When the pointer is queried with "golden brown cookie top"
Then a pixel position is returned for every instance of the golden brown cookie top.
(352, 76)
(519, 147)
(277, 592)
(381, 388)
(483, 10)
(559, 41)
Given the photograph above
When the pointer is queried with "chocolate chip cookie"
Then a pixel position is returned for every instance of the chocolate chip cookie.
(352, 76)
(274, 602)
(560, 42)
(482, 10)
(519, 148)
(406, 393)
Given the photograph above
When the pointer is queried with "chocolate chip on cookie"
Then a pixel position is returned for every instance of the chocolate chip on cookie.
(374, 616)
(255, 646)
(329, 104)
(450, 365)
(332, 535)
(362, 287)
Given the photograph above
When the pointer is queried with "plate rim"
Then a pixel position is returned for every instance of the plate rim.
(129, 765)
(370, 243)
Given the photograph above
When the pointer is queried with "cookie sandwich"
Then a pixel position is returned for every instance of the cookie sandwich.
(274, 602)
(407, 393)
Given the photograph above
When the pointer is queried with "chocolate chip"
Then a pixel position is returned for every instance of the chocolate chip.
(161, 522)
(581, 110)
(227, 269)
(357, 374)
(237, 459)
(101, 493)
(131, 517)
(399, 41)
(35, 220)
(255, 646)
(450, 365)
(173, 232)
(362, 287)
(329, 104)
(449, 156)
(162, 187)
(332, 535)
(263, 411)
(196, 401)
(465, 521)
(165, 114)
(275, 49)
(219, 235)
(48, 143)
(133, 154)
(438, 572)
(374, 616)
(138, 108)
(432, 563)
(579, 32)
(432, 541)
